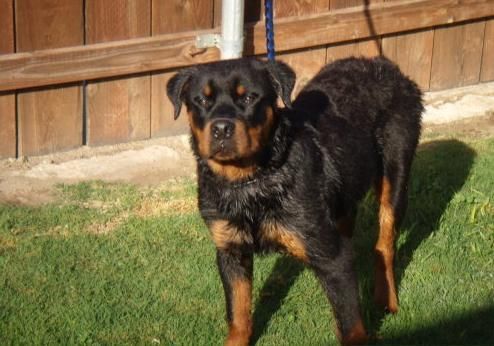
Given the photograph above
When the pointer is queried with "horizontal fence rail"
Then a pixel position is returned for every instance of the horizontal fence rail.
(97, 61)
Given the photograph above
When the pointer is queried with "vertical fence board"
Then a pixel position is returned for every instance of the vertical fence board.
(7, 100)
(487, 73)
(413, 53)
(306, 63)
(169, 16)
(457, 54)
(367, 48)
(119, 109)
(337, 4)
(49, 120)
(299, 7)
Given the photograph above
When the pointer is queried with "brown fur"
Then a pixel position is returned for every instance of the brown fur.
(356, 336)
(290, 241)
(385, 291)
(224, 235)
(202, 135)
(241, 325)
(241, 90)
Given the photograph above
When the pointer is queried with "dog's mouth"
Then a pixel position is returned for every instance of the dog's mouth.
(223, 150)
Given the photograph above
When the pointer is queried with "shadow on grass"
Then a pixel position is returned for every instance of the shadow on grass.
(468, 329)
(275, 289)
(439, 171)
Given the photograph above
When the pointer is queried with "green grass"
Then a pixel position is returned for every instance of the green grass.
(117, 264)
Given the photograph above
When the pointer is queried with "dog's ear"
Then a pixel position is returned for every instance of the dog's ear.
(283, 79)
(175, 89)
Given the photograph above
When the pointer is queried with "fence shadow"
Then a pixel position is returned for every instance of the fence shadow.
(439, 171)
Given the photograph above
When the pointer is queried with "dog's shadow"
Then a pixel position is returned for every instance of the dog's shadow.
(439, 171)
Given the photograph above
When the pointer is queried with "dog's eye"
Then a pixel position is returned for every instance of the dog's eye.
(248, 99)
(202, 101)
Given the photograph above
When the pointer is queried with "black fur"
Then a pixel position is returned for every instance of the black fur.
(356, 123)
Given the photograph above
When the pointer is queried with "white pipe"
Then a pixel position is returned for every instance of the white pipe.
(232, 29)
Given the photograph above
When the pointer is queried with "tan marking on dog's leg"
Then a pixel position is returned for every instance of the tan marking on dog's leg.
(385, 289)
(291, 241)
(224, 235)
(356, 336)
(241, 325)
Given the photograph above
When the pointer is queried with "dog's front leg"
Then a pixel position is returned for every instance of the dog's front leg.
(339, 281)
(235, 267)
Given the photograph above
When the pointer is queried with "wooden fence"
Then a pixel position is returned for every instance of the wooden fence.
(93, 72)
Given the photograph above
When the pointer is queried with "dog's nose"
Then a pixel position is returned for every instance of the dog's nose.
(222, 129)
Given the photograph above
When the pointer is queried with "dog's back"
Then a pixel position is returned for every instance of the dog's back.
(366, 104)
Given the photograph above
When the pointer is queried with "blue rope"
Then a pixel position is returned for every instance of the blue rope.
(268, 9)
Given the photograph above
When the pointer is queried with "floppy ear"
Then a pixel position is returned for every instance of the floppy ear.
(175, 88)
(283, 79)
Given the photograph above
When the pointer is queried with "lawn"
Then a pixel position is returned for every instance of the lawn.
(120, 264)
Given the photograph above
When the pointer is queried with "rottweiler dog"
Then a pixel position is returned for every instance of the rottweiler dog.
(289, 178)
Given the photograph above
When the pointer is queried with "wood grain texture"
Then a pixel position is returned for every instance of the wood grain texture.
(487, 71)
(413, 54)
(171, 16)
(457, 54)
(8, 145)
(177, 50)
(118, 110)
(365, 48)
(299, 7)
(49, 120)
(305, 63)
(347, 24)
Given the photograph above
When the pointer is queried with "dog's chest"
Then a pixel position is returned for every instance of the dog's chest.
(251, 202)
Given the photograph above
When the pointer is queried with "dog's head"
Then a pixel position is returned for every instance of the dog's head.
(232, 109)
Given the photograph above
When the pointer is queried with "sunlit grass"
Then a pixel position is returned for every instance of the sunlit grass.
(117, 264)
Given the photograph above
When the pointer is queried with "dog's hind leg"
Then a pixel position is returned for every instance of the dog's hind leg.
(391, 192)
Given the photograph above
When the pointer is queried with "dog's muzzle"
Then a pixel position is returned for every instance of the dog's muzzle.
(222, 129)
(222, 143)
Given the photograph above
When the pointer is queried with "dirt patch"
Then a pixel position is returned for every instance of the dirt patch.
(471, 128)
(148, 163)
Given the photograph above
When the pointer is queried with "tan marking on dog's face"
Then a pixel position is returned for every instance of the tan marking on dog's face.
(260, 135)
(224, 235)
(202, 136)
(251, 140)
(241, 325)
(232, 172)
(207, 90)
(291, 241)
(241, 90)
